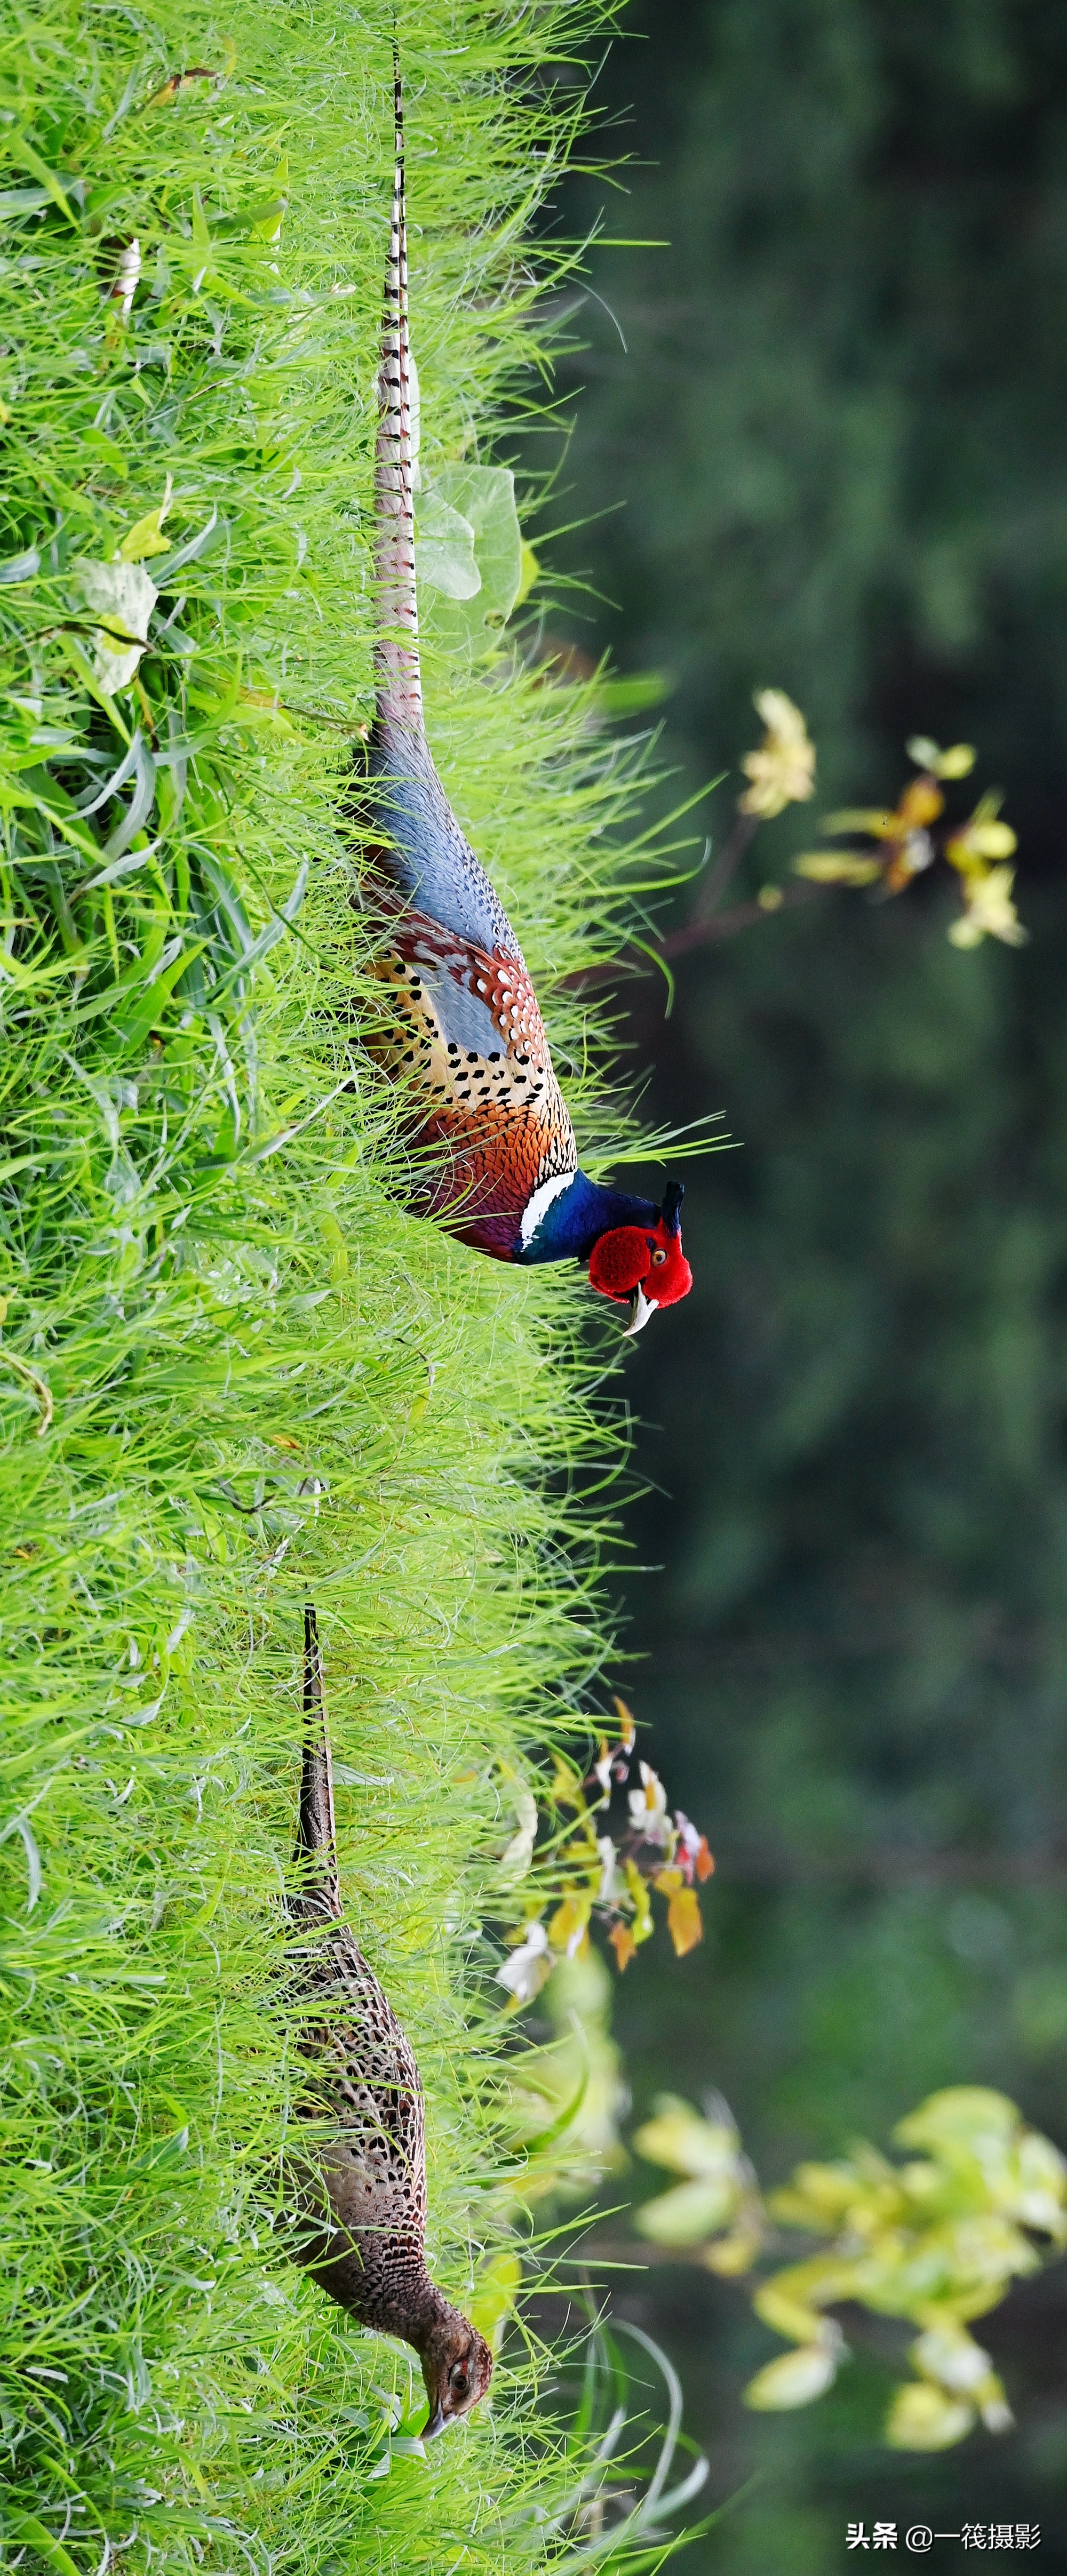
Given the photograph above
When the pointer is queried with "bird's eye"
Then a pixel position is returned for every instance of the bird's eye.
(458, 2380)
(657, 1257)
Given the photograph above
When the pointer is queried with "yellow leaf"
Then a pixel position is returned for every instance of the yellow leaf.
(989, 912)
(627, 1724)
(837, 867)
(920, 803)
(950, 2357)
(496, 2287)
(923, 2418)
(795, 2378)
(566, 1788)
(860, 818)
(678, 2138)
(567, 1928)
(735, 2253)
(821, 2198)
(531, 572)
(683, 1921)
(144, 537)
(643, 1925)
(980, 839)
(956, 762)
(623, 1944)
(690, 2213)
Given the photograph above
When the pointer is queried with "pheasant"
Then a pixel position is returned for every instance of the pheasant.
(360, 2195)
(461, 1026)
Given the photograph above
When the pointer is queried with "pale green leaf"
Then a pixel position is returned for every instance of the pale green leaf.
(444, 548)
(484, 496)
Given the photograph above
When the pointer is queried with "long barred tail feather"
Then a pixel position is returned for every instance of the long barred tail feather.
(399, 686)
(316, 1842)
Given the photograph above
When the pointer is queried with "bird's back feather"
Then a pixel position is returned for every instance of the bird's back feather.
(461, 1026)
(363, 2193)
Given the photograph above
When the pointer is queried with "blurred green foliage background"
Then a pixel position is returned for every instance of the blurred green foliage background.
(831, 458)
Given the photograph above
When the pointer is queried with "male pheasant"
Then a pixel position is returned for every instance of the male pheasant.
(461, 1022)
(360, 2192)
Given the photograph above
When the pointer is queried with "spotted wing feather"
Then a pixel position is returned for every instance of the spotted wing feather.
(464, 1032)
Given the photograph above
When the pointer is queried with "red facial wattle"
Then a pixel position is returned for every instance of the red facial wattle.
(641, 1264)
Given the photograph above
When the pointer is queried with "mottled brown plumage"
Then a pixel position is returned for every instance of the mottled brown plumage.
(361, 2195)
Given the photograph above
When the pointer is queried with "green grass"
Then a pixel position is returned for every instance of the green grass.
(230, 1367)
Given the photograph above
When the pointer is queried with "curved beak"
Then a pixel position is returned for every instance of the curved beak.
(641, 1307)
(436, 2424)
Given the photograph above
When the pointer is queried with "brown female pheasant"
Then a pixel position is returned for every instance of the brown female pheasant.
(461, 1027)
(361, 2193)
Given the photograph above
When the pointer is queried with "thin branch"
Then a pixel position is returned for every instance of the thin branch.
(714, 884)
(699, 933)
(724, 925)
